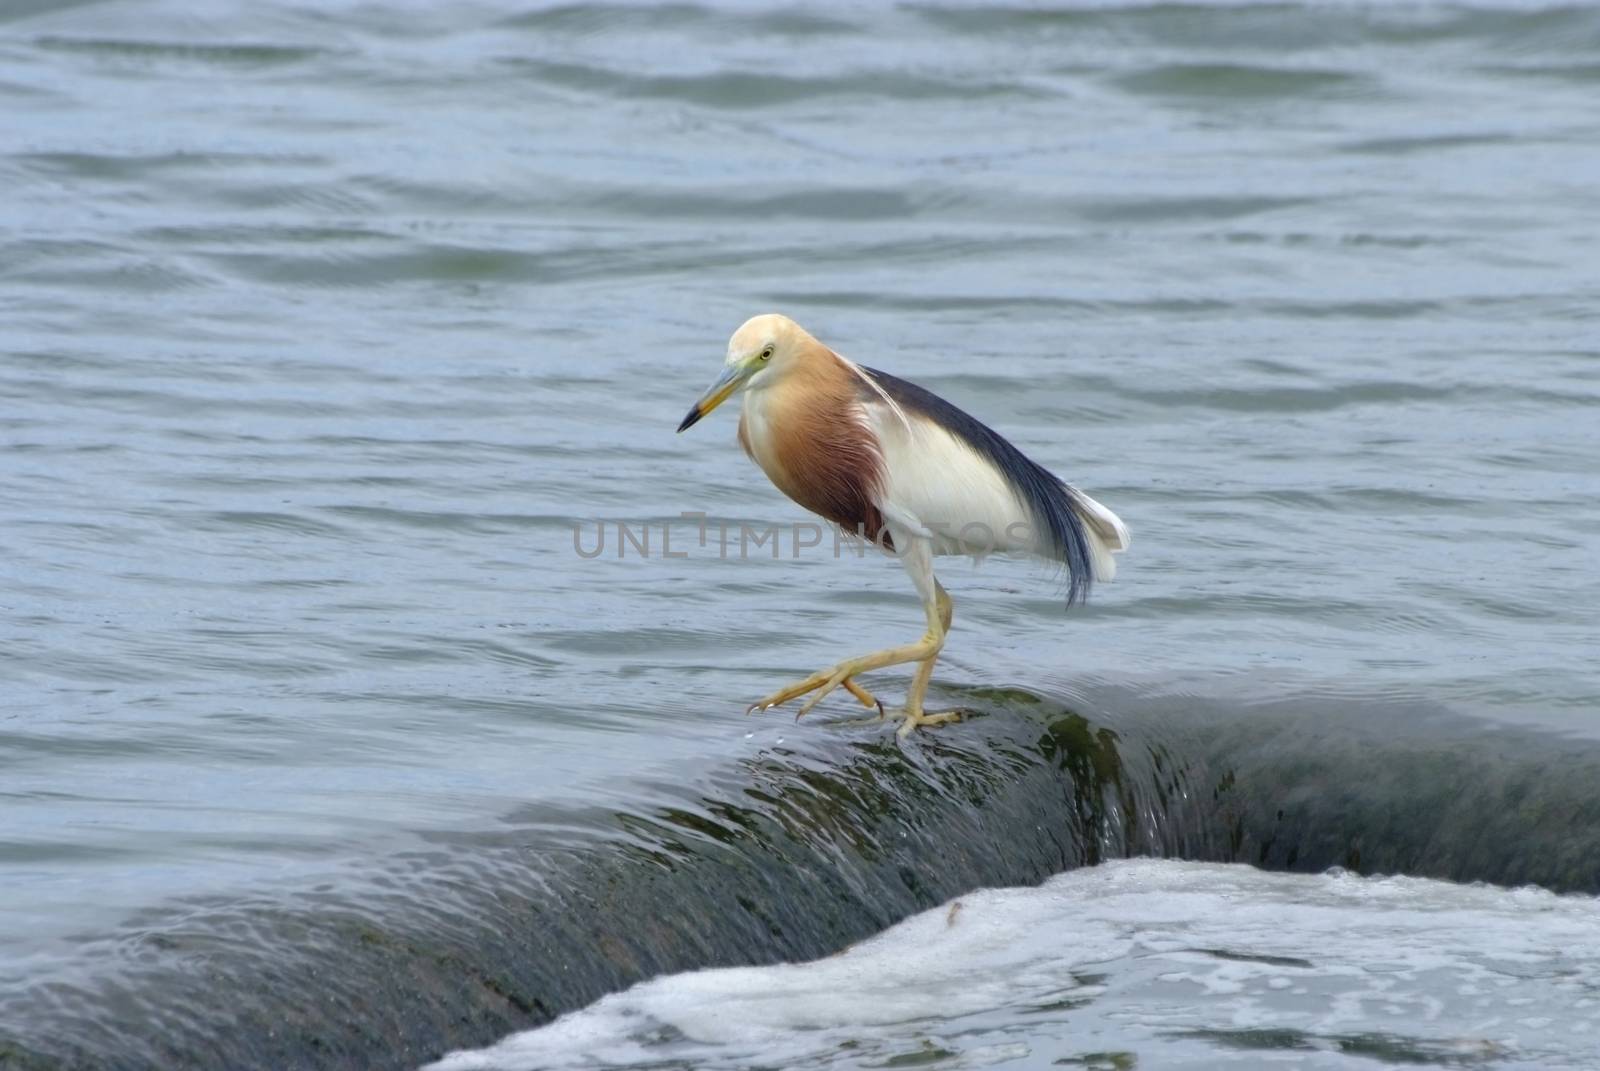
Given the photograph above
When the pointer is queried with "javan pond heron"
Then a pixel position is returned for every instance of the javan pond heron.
(903, 468)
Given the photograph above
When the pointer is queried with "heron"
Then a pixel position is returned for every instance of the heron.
(898, 466)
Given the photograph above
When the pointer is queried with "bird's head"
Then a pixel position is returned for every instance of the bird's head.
(761, 350)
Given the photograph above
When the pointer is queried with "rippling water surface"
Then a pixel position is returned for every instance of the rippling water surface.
(326, 326)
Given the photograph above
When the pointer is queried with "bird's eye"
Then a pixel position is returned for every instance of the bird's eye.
(766, 354)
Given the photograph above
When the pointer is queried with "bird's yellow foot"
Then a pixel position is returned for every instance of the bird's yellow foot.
(864, 697)
(915, 720)
(821, 685)
(823, 682)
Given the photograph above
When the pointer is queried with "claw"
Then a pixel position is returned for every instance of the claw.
(864, 697)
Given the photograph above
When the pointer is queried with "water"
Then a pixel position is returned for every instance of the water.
(1173, 964)
(325, 325)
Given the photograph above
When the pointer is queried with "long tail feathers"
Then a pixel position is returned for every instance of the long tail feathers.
(1074, 530)
(1106, 533)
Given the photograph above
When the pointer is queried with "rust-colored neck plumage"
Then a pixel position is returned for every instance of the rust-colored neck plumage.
(808, 432)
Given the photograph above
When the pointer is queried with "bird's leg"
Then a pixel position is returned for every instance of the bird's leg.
(918, 558)
(915, 716)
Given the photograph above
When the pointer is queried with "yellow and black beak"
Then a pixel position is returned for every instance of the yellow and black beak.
(715, 395)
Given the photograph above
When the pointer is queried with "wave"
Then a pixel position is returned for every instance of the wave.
(1193, 964)
(795, 854)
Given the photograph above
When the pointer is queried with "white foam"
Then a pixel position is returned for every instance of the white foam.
(1180, 964)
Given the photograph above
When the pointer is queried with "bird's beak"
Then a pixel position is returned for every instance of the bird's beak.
(716, 394)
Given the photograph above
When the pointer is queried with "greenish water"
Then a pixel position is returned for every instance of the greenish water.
(325, 326)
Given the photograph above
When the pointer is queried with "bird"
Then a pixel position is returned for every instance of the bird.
(902, 468)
